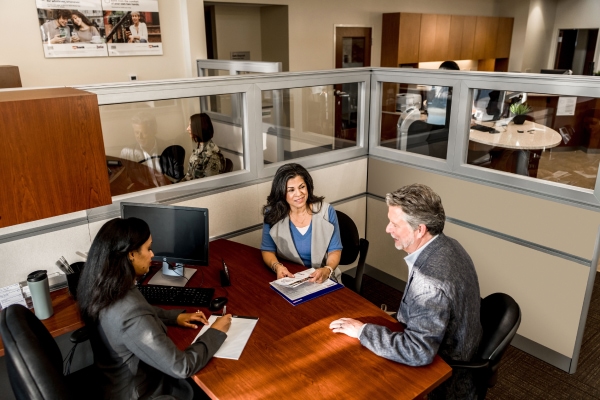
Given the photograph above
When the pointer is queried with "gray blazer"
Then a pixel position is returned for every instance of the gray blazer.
(440, 309)
(139, 361)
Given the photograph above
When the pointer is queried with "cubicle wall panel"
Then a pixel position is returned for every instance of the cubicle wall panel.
(20, 257)
(557, 226)
(382, 253)
(550, 290)
(231, 210)
(547, 288)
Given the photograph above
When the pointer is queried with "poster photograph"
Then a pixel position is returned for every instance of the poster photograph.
(133, 27)
(72, 28)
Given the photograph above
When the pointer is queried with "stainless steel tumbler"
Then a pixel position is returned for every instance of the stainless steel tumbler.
(40, 293)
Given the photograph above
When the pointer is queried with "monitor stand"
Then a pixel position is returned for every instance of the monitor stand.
(175, 269)
(177, 279)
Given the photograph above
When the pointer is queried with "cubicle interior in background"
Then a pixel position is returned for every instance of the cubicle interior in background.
(559, 140)
(142, 139)
(416, 118)
(305, 121)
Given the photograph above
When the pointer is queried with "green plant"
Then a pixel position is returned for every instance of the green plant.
(597, 73)
(520, 109)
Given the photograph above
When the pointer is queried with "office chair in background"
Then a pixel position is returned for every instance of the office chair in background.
(34, 361)
(172, 161)
(228, 165)
(500, 318)
(353, 247)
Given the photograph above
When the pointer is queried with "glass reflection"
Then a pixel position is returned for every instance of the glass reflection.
(151, 144)
(304, 121)
(416, 118)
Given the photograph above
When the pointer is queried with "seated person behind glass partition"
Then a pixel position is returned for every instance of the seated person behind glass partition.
(437, 98)
(300, 227)
(440, 306)
(56, 31)
(206, 159)
(128, 335)
(148, 147)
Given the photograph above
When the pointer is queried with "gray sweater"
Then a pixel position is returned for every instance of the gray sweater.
(440, 309)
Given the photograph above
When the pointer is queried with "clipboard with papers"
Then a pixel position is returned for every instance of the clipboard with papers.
(298, 290)
(239, 332)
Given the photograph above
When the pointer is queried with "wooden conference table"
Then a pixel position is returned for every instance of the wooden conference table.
(292, 353)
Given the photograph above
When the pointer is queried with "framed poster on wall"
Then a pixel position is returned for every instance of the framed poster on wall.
(72, 28)
(132, 27)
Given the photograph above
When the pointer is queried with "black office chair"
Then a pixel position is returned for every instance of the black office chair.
(228, 165)
(500, 318)
(172, 161)
(34, 361)
(353, 247)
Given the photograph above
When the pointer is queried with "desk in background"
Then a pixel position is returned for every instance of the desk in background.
(533, 137)
(292, 353)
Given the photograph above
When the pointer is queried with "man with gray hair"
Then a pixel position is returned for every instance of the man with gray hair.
(440, 306)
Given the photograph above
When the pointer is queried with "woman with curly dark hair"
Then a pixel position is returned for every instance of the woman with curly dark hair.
(128, 335)
(300, 226)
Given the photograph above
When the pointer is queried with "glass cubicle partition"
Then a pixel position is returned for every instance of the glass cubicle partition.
(476, 133)
(149, 144)
(309, 120)
(415, 118)
(545, 136)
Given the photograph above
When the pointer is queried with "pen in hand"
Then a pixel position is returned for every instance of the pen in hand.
(224, 311)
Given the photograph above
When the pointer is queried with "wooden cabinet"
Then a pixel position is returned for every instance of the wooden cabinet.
(434, 38)
(468, 38)
(486, 33)
(504, 38)
(52, 155)
(400, 43)
(411, 38)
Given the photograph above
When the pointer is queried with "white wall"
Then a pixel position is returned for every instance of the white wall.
(311, 23)
(538, 40)
(238, 29)
(182, 30)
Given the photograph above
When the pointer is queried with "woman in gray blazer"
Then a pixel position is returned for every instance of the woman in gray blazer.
(128, 335)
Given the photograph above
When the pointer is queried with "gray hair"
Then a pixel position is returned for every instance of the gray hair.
(421, 205)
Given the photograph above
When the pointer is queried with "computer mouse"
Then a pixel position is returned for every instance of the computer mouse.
(217, 303)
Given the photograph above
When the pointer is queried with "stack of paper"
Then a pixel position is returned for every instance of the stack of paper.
(11, 294)
(239, 332)
(298, 290)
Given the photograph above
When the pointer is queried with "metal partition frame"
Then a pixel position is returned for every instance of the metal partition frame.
(235, 67)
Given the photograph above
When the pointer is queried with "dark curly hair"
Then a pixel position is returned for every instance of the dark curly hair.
(277, 207)
(108, 273)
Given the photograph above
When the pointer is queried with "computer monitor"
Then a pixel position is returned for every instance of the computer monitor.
(179, 234)
(488, 104)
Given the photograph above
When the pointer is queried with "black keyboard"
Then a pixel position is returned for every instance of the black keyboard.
(177, 296)
(484, 128)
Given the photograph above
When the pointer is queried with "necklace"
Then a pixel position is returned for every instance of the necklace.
(300, 220)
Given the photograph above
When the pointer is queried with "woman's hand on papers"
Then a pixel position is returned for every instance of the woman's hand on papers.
(223, 323)
(282, 272)
(349, 326)
(186, 319)
(320, 275)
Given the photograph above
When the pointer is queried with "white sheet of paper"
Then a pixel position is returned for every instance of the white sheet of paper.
(239, 332)
(11, 295)
(566, 105)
